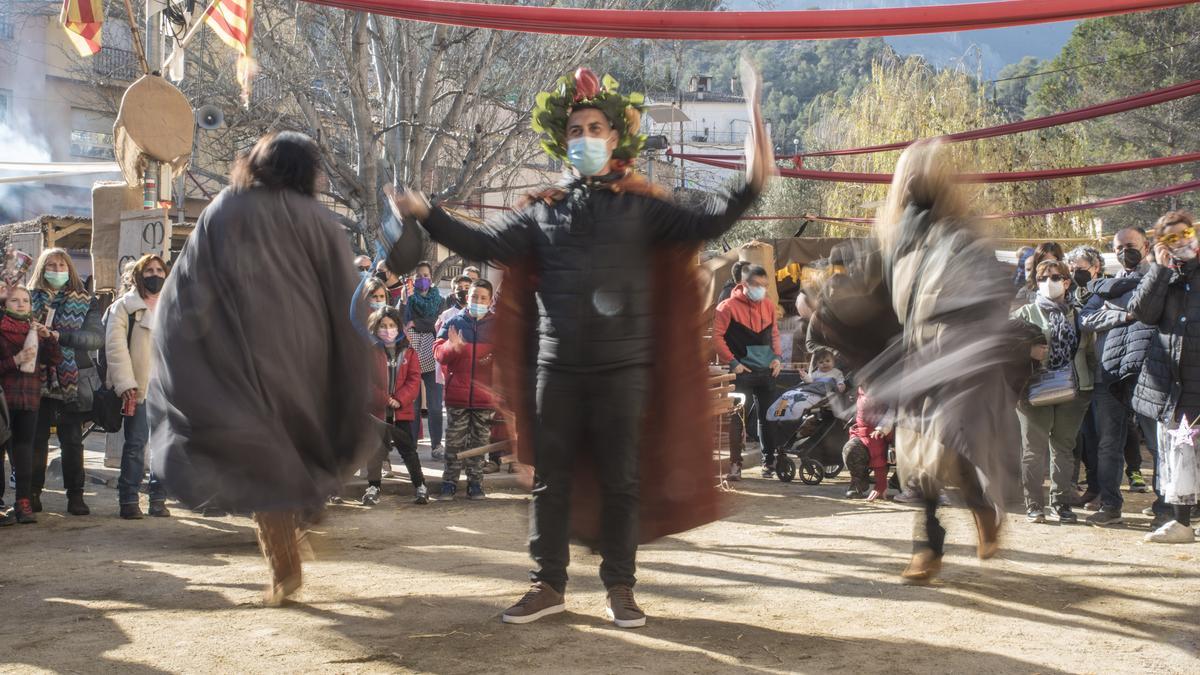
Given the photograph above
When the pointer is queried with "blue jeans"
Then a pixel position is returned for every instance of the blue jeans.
(1112, 418)
(133, 460)
(433, 400)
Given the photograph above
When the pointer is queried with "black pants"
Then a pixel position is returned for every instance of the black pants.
(398, 434)
(20, 452)
(1087, 446)
(70, 442)
(929, 532)
(601, 413)
(759, 389)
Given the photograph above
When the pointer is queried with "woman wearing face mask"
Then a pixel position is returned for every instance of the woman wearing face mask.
(128, 347)
(420, 315)
(1087, 265)
(72, 314)
(1047, 250)
(1053, 429)
(1168, 387)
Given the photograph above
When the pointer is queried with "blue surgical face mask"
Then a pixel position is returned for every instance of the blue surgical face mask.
(376, 306)
(756, 293)
(478, 310)
(589, 155)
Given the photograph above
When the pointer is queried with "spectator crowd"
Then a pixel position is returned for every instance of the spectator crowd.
(1115, 368)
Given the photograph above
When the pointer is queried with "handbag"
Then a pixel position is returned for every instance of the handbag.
(1052, 387)
(106, 404)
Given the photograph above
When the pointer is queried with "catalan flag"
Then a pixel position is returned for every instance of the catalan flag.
(82, 19)
(233, 22)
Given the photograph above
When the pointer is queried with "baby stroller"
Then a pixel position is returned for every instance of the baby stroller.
(816, 444)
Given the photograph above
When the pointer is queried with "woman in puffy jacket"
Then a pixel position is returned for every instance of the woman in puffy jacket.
(128, 350)
(1168, 387)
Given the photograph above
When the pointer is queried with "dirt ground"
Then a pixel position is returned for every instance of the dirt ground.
(795, 579)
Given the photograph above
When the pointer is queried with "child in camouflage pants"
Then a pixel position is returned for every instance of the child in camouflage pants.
(464, 352)
(467, 429)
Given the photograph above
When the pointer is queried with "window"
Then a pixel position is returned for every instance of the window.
(91, 144)
(5, 105)
(91, 135)
(6, 26)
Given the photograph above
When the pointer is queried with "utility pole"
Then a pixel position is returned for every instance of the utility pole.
(152, 190)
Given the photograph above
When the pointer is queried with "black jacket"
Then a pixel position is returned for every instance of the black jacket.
(1121, 342)
(593, 250)
(1169, 384)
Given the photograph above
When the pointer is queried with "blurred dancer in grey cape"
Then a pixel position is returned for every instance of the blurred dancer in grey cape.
(951, 364)
(261, 389)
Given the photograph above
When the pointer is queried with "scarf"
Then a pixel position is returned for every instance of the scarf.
(1064, 339)
(14, 330)
(427, 306)
(70, 310)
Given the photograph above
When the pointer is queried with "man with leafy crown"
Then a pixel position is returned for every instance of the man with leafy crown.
(599, 346)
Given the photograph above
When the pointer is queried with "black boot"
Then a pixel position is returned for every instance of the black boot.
(35, 502)
(75, 505)
(159, 510)
(131, 512)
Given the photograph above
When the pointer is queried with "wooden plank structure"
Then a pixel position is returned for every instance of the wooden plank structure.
(727, 411)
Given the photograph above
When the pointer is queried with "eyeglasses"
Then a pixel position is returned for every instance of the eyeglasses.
(1052, 277)
(1177, 238)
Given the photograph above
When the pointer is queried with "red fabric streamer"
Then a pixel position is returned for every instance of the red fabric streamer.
(1103, 203)
(991, 177)
(1147, 99)
(823, 24)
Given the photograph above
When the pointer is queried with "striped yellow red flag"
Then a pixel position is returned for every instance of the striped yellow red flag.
(82, 19)
(233, 22)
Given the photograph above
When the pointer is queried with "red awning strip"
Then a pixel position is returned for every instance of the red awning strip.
(724, 162)
(824, 24)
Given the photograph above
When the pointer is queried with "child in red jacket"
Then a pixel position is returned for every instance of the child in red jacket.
(867, 448)
(22, 389)
(397, 383)
(464, 350)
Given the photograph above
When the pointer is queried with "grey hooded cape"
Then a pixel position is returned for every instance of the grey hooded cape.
(260, 398)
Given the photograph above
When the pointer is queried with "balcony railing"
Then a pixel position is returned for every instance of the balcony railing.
(113, 63)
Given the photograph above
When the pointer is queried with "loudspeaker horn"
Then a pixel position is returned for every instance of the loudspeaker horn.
(210, 117)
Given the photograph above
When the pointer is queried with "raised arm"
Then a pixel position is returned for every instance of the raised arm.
(503, 240)
(669, 222)
(1148, 300)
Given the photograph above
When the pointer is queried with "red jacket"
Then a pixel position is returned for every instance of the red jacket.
(868, 417)
(468, 368)
(405, 388)
(740, 329)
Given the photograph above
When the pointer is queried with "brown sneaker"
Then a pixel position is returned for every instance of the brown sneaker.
(540, 601)
(922, 569)
(622, 609)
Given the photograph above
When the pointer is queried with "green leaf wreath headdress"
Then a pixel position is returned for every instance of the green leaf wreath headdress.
(583, 90)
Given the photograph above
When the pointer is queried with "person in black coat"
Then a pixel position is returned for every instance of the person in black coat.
(592, 241)
(1168, 387)
(1121, 344)
(736, 273)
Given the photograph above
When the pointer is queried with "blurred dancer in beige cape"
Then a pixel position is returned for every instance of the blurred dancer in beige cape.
(954, 362)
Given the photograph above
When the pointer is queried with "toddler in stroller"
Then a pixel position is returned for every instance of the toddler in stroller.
(818, 385)
(817, 441)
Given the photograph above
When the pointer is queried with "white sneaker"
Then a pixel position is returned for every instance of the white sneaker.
(371, 496)
(1173, 532)
(387, 469)
(735, 472)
